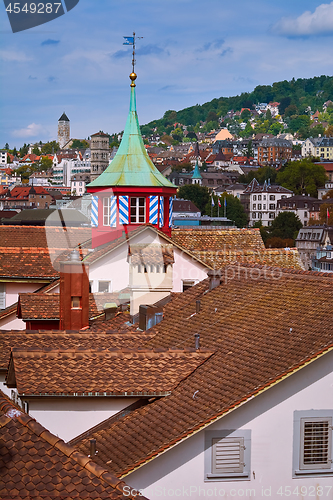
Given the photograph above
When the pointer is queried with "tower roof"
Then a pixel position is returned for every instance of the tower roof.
(131, 166)
(63, 118)
(196, 173)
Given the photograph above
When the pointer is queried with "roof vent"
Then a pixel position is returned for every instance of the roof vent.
(93, 450)
(197, 306)
(214, 276)
(197, 341)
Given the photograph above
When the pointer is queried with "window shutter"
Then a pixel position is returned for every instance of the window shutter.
(123, 210)
(161, 211)
(2, 296)
(316, 442)
(94, 211)
(228, 455)
(113, 211)
(170, 211)
(153, 209)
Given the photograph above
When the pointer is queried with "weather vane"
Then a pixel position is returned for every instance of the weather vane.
(130, 40)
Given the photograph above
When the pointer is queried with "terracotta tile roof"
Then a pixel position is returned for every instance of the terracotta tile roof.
(280, 257)
(36, 464)
(26, 339)
(264, 323)
(101, 373)
(34, 252)
(218, 239)
(26, 263)
(47, 305)
(42, 237)
(151, 254)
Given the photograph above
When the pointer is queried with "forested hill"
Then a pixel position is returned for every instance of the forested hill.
(301, 93)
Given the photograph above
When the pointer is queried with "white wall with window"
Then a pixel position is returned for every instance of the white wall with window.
(258, 449)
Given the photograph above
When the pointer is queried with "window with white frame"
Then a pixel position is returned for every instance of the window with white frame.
(312, 453)
(227, 455)
(138, 210)
(104, 286)
(106, 211)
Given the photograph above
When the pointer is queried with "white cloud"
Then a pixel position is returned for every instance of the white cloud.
(319, 22)
(13, 56)
(31, 130)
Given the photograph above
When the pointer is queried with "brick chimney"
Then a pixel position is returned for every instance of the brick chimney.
(74, 293)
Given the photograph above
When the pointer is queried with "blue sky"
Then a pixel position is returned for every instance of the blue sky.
(192, 51)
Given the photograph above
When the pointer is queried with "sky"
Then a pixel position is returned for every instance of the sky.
(191, 52)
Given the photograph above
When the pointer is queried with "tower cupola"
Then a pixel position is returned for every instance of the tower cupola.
(131, 191)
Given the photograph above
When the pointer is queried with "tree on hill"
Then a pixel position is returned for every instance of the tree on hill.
(234, 209)
(50, 147)
(43, 164)
(196, 193)
(77, 144)
(302, 177)
(263, 174)
(286, 226)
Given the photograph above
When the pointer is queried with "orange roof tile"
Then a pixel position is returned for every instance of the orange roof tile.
(36, 464)
(101, 373)
(106, 339)
(264, 323)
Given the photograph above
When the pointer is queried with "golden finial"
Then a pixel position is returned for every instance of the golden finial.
(133, 78)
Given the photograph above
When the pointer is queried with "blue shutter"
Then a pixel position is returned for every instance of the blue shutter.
(170, 211)
(94, 211)
(113, 211)
(123, 210)
(161, 211)
(153, 209)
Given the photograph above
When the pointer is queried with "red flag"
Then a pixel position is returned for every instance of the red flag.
(219, 202)
(328, 214)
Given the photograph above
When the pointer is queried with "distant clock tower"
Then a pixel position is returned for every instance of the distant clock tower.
(63, 130)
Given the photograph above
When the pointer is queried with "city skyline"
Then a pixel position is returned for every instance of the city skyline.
(189, 54)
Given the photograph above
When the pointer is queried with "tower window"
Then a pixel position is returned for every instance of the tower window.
(138, 210)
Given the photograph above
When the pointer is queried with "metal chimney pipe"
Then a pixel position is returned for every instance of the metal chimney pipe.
(197, 306)
(92, 447)
(197, 341)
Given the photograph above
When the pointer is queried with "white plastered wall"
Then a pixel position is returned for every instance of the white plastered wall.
(269, 416)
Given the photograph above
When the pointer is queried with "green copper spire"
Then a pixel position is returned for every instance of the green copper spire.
(196, 173)
(131, 166)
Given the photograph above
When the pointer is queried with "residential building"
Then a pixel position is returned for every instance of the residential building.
(26, 197)
(100, 154)
(299, 205)
(40, 179)
(274, 151)
(310, 147)
(63, 130)
(68, 164)
(260, 202)
(78, 184)
(323, 261)
(325, 148)
(309, 239)
(255, 433)
(3, 156)
(324, 190)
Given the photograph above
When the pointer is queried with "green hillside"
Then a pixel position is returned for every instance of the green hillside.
(294, 97)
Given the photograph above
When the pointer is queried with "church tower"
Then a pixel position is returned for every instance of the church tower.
(131, 191)
(63, 130)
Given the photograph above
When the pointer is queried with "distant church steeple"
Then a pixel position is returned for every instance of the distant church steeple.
(63, 130)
